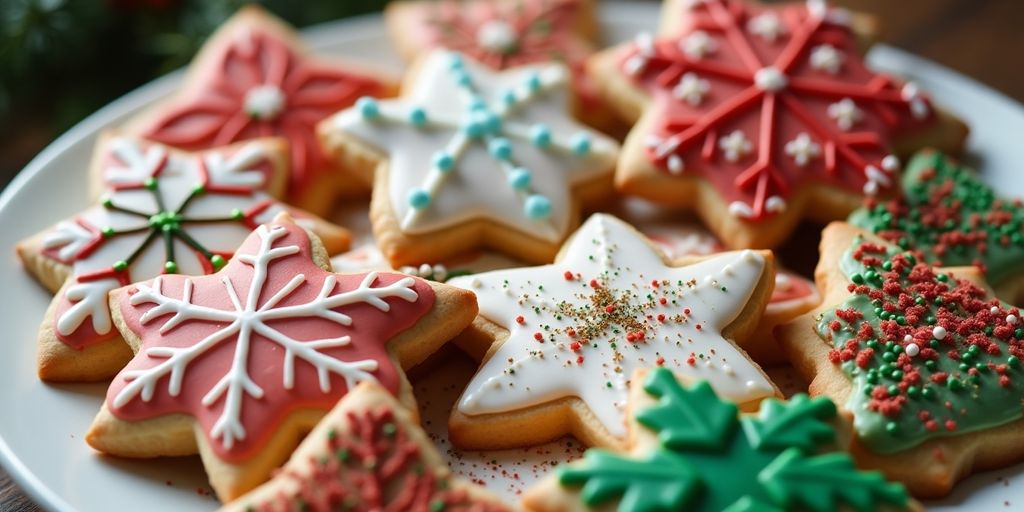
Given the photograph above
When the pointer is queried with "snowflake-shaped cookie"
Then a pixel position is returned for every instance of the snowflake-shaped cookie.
(254, 79)
(466, 146)
(163, 211)
(925, 359)
(770, 109)
(577, 328)
(259, 351)
(692, 451)
(369, 453)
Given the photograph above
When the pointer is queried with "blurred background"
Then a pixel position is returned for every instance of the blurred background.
(61, 60)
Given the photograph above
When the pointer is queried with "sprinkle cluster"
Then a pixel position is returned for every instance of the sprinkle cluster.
(950, 217)
(929, 353)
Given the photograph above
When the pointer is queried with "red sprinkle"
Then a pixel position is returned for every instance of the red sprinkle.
(538, 336)
(568, 275)
(520, 320)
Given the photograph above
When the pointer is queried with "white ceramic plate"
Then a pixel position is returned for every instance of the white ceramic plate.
(40, 443)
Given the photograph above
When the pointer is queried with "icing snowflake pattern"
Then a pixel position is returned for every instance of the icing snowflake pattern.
(471, 142)
(162, 212)
(774, 75)
(253, 327)
(259, 87)
(580, 326)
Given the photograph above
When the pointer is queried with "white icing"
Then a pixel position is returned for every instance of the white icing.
(497, 36)
(735, 146)
(911, 93)
(767, 25)
(476, 186)
(770, 79)
(698, 45)
(775, 204)
(826, 58)
(607, 249)
(246, 320)
(691, 89)
(264, 101)
(846, 113)
(133, 162)
(803, 149)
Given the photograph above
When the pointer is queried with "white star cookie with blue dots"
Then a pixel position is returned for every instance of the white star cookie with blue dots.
(470, 158)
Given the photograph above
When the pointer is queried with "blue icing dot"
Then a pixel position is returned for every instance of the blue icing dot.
(462, 78)
(493, 123)
(500, 148)
(368, 107)
(418, 117)
(443, 161)
(475, 126)
(508, 97)
(537, 207)
(419, 198)
(540, 135)
(477, 103)
(519, 178)
(580, 143)
(455, 61)
(533, 82)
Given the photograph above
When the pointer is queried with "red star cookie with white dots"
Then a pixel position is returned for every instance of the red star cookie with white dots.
(758, 116)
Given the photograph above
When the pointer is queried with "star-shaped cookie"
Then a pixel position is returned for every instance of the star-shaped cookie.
(163, 211)
(368, 453)
(691, 450)
(237, 366)
(923, 360)
(949, 217)
(254, 78)
(468, 157)
(565, 338)
(757, 116)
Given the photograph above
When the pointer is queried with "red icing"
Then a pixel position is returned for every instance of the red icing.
(214, 113)
(544, 31)
(768, 119)
(373, 465)
(86, 336)
(369, 331)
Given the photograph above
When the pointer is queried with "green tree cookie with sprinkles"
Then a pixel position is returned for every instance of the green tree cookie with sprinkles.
(693, 451)
(163, 211)
(469, 157)
(924, 361)
(949, 217)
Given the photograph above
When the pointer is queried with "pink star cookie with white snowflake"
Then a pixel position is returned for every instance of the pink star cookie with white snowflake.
(238, 365)
(254, 78)
(563, 339)
(162, 211)
(758, 116)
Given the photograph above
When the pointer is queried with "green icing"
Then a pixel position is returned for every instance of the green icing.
(946, 214)
(711, 459)
(975, 402)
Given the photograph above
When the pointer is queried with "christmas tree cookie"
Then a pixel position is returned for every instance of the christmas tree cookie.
(950, 217)
(502, 34)
(561, 341)
(254, 78)
(924, 360)
(691, 451)
(238, 365)
(163, 211)
(469, 158)
(758, 116)
(369, 453)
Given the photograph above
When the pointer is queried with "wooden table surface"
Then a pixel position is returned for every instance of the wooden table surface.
(980, 38)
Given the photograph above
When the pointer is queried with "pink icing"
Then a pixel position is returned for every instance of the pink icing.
(370, 330)
(214, 114)
(769, 118)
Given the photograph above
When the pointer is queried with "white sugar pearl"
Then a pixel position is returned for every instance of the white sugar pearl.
(908, 338)
(994, 310)
(1011, 319)
(939, 332)
(913, 350)
(426, 270)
